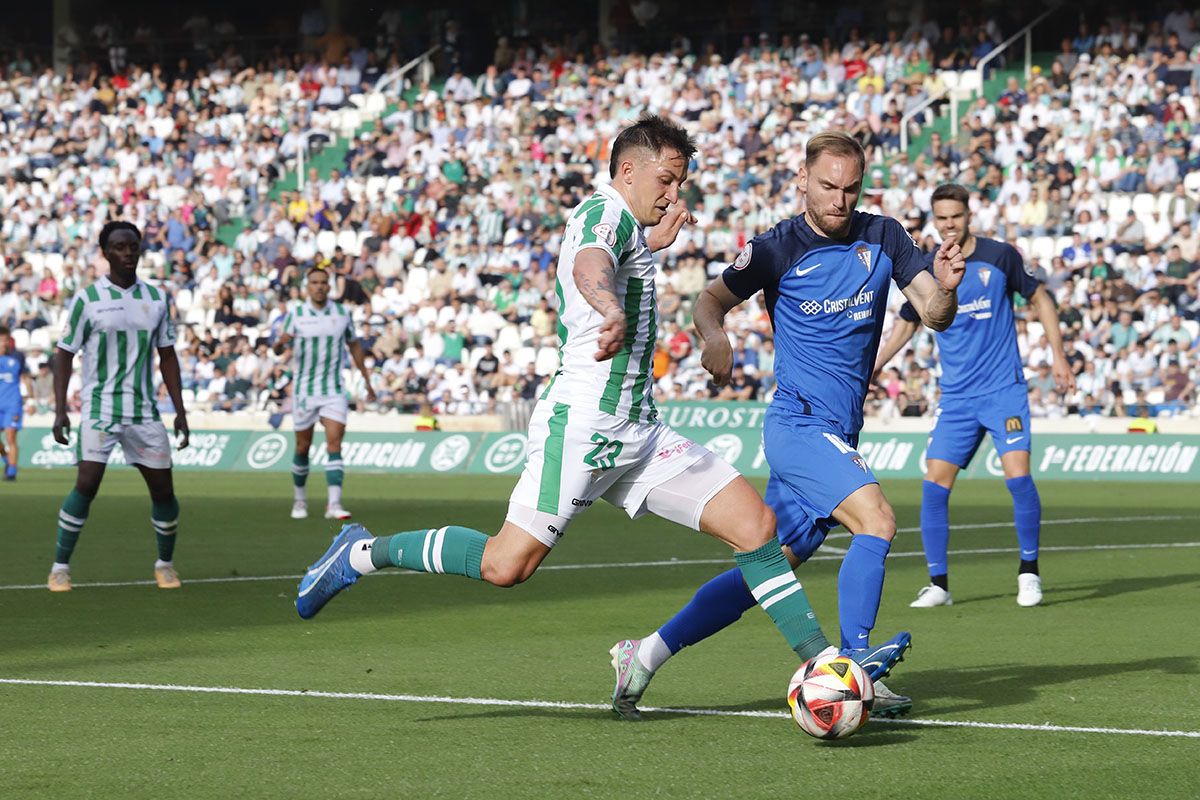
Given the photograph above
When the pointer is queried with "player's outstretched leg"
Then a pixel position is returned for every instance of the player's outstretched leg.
(71, 519)
(355, 552)
(1027, 518)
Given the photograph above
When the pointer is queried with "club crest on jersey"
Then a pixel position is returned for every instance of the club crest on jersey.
(605, 233)
(864, 255)
(985, 275)
(743, 259)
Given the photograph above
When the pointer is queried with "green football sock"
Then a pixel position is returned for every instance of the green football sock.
(333, 468)
(775, 588)
(453, 550)
(71, 518)
(165, 518)
(299, 469)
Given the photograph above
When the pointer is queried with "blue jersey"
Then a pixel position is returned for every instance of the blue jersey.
(12, 367)
(826, 300)
(979, 350)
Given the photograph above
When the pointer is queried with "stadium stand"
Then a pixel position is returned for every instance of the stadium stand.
(437, 199)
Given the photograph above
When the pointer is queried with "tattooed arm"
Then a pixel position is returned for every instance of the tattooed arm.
(595, 278)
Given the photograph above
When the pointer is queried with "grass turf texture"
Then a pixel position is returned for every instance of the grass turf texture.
(1114, 645)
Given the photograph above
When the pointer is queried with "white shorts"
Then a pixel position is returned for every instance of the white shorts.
(146, 443)
(307, 410)
(577, 456)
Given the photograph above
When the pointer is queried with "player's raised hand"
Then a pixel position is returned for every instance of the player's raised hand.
(62, 429)
(662, 235)
(949, 264)
(717, 358)
(612, 335)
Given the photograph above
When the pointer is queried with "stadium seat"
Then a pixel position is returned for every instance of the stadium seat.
(1119, 205)
(1143, 205)
(54, 263)
(326, 242)
(524, 355)
(1044, 248)
(40, 339)
(36, 260)
(375, 186)
(347, 239)
(1061, 244)
(375, 104)
(20, 338)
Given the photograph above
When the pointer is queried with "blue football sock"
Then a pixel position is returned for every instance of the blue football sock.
(935, 526)
(1027, 515)
(860, 587)
(715, 606)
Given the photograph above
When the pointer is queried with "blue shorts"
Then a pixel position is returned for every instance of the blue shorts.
(960, 423)
(813, 469)
(11, 415)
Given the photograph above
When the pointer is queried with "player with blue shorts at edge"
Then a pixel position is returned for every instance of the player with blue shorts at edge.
(13, 374)
(983, 389)
(825, 275)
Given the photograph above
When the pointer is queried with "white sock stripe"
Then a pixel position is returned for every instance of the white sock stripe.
(165, 523)
(334, 465)
(299, 470)
(768, 586)
(425, 550)
(438, 540)
(67, 526)
(776, 598)
(65, 517)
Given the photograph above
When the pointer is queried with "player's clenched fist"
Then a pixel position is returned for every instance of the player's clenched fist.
(717, 358)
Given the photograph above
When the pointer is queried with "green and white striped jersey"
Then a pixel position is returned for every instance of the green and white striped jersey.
(623, 385)
(117, 331)
(320, 338)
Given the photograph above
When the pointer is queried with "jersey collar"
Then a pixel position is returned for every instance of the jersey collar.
(609, 191)
(105, 283)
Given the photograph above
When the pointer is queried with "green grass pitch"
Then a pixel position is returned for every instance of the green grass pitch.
(1112, 650)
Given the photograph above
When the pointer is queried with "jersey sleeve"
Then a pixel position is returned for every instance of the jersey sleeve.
(164, 334)
(608, 227)
(76, 328)
(908, 313)
(907, 259)
(288, 327)
(752, 271)
(350, 334)
(1020, 279)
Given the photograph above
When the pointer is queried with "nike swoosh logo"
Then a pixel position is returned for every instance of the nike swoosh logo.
(1029, 552)
(1012, 439)
(800, 273)
(318, 572)
(863, 635)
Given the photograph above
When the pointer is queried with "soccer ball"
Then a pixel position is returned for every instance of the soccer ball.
(830, 696)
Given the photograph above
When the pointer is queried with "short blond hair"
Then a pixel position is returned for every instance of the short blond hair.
(835, 143)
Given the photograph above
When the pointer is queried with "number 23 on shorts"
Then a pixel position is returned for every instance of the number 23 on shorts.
(604, 455)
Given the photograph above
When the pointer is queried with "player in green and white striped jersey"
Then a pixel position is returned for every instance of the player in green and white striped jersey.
(118, 323)
(595, 433)
(322, 331)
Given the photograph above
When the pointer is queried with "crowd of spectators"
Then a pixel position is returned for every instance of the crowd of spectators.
(440, 221)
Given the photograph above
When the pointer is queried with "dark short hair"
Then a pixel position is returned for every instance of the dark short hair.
(4, 331)
(951, 191)
(117, 225)
(654, 133)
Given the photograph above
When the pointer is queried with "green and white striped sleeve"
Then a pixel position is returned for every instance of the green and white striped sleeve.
(164, 334)
(608, 227)
(76, 328)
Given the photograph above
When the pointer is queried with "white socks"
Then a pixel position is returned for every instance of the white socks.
(335, 496)
(653, 652)
(360, 556)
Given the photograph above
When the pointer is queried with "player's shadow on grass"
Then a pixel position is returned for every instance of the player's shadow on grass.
(940, 692)
(1060, 594)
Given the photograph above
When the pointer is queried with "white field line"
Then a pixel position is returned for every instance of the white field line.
(560, 705)
(978, 526)
(672, 562)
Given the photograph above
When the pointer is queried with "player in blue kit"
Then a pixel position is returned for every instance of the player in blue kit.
(983, 391)
(13, 375)
(825, 276)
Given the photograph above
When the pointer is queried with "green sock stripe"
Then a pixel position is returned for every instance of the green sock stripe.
(334, 477)
(65, 545)
(775, 588)
(334, 472)
(166, 546)
(77, 504)
(167, 512)
(452, 550)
